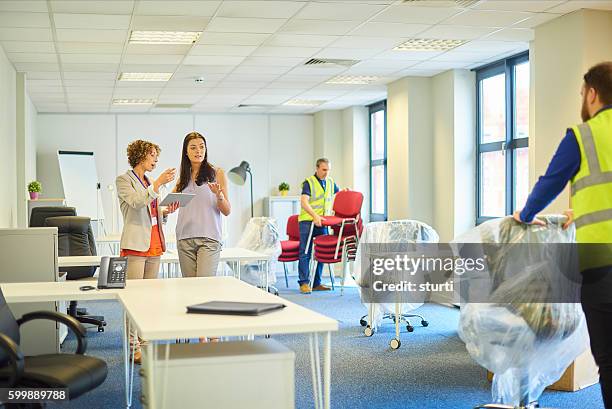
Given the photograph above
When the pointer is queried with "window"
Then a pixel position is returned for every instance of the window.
(378, 161)
(502, 132)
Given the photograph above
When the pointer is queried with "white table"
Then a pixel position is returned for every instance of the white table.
(166, 319)
(170, 258)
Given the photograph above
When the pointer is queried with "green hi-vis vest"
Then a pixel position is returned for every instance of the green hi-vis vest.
(320, 200)
(592, 191)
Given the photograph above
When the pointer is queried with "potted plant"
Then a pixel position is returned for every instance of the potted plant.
(283, 188)
(34, 188)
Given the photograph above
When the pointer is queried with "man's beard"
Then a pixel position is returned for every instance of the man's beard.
(584, 111)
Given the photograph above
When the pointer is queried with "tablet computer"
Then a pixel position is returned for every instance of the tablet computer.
(234, 308)
(182, 198)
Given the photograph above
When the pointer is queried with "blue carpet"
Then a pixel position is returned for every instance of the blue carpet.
(431, 369)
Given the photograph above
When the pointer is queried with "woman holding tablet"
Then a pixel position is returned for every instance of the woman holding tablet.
(198, 230)
(142, 238)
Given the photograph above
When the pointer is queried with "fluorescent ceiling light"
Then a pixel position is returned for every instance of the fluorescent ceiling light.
(134, 101)
(164, 37)
(304, 102)
(145, 76)
(353, 79)
(428, 44)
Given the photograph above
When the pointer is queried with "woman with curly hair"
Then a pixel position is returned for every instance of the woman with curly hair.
(142, 239)
(198, 229)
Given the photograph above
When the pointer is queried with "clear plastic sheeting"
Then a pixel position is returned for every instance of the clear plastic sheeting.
(260, 235)
(392, 232)
(516, 340)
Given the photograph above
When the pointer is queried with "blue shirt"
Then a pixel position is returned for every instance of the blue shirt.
(562, 168)
(306, 186)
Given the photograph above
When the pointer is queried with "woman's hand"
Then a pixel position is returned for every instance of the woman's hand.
(172, 207)
(165, 177)
(215, 188)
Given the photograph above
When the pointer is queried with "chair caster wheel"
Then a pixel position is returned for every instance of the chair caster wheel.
(424, 323)
(409, 328)
(363, 322)
(100, 329)
(395, 343)
(368, 331)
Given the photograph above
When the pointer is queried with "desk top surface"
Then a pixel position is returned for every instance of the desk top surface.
(158, 307)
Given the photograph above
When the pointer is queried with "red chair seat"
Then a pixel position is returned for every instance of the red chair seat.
(328, 250)
(284, 258)
(332, 220)
(326, 240)
(290, 245)
(327, 259)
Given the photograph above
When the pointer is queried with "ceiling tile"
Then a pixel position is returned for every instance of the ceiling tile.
(452, 32)
(210, 49)
(24, 20)
(536, 20)
(136, 92)
(300, 40)
(32, 57)
(177, 8)
(232, 38)
(28, 46)
(139, 84)
(261, 69)
(266, 51)
(347, 53)
(389, 30)
(90, 58)
(407, 55)
(338, 11)
(420, 73)
(319, 27)
(143, 67)
(95, 92)
(212, 60)
(488, 18)
(49, 91)
(33, 83)
(439, 65)
(517, 5)
(268, 61)
(288, 84)
(173, 49)
(234, 76)
(178, 99)
(42, 107)
(90, 67)
(170, 23)
(92, 6)
(512, 34)
(204, 69)
(463, 56)
(89, 48)
(90, 76)
(376, 70)
(33, 66)
(262, 9)
(94, 36)
(245, 25)
(417, 15)
(152, 59)
(25, 34)
(266, 99)
(381, 43)
(573, 5)
(24, 5)
(492, 46)
(92, 21)
(85, 83)
(38, 75)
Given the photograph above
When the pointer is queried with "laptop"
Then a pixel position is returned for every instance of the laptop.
(234, 308)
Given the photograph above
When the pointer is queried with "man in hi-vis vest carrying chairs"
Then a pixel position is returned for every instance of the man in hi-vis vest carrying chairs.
(317, 199)
(584, 158)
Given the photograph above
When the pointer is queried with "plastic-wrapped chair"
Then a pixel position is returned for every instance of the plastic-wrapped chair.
(396, 231)
(510, 336)
(261, 235)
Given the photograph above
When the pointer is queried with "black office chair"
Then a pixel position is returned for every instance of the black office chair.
(40, 214)
(76, 372)
(75, 238)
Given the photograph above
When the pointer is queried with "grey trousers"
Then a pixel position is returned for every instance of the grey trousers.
(142, 267)
(199, 257)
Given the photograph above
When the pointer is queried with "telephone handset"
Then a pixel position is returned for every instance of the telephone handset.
(113, 271)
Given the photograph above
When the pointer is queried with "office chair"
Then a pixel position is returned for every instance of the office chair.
(290, 248)
(76, 372)
(75, 238)
(40, 214)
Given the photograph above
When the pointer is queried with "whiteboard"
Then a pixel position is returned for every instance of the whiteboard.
(80, 182)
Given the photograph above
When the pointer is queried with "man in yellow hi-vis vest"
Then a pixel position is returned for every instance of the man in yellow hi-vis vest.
(317, 199)
(584, 158)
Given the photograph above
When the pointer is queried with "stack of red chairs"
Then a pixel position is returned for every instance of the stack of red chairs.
(290, 248)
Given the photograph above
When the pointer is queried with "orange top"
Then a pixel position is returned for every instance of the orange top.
(155, 248)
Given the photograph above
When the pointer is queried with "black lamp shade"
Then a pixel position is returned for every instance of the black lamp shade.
(238, 174)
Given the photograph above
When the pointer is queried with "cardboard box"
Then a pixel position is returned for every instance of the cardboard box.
(582, 373)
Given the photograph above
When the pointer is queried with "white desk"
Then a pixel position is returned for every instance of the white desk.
(166, 319)
(114, 240)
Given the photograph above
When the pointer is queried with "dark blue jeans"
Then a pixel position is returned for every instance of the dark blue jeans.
(305, 256)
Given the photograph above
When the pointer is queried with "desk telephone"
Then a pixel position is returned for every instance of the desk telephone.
(113, 272)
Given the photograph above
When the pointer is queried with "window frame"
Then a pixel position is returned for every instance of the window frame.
(373, 108)
(510, 144)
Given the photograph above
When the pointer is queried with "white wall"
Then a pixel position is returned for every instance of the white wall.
(329, 143)
(30, 140)
(356, 148)
(8, 173)
(278, 147)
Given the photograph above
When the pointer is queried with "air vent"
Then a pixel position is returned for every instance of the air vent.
(173, 106)
(466, 3)
(331, 61)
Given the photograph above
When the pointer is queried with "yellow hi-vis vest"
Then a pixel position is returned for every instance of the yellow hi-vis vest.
(592, 190)
(320, 200)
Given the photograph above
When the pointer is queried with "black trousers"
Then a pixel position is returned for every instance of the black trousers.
(599, 322)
